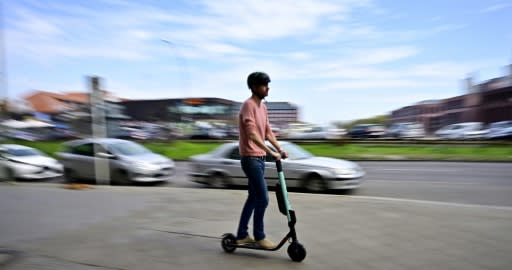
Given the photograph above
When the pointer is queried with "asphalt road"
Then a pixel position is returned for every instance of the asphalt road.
(425, 224)
(458, 182)
(49, 227)
(455, 182)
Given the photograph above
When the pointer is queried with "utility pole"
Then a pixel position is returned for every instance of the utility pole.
(99, 130)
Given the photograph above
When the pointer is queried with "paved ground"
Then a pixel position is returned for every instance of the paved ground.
(177, 228)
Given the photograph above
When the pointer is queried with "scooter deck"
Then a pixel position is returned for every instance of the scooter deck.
(256, 246)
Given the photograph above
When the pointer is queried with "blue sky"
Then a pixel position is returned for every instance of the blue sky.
(337, 60)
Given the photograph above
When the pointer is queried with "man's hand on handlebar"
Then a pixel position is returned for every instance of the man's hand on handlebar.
(276, 155)
(283, 154)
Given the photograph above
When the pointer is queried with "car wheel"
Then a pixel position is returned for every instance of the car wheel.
(68, 175)
(217, 180)
(121, 178)
(315, 183)
(9, 173)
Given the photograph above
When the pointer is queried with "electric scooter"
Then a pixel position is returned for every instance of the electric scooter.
(296, 250)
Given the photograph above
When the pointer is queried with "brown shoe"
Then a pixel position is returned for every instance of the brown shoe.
(246, 240)
(266, 244)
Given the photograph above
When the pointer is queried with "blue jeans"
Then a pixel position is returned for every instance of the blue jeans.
(257, 200)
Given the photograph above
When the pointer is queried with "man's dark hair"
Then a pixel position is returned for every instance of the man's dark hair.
(257, 78)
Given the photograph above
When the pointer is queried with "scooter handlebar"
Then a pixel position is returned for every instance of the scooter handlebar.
(279, 166)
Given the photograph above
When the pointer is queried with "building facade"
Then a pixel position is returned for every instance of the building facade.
(200, 109)
(73, 111)
(282, 113)
(180, 110)
(487, 102)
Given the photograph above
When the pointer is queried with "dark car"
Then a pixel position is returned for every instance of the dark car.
(363, 131)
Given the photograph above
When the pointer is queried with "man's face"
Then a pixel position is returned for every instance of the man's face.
(261, 91)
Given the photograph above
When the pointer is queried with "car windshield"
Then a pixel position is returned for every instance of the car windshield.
(24, 152)
(296, 152)
(128, 148)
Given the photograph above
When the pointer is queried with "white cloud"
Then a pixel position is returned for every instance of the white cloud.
(261, 20)
(213, 45)
(383, 55)
(373, 84)
(496, 7)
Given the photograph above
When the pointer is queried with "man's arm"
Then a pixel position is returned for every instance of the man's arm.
(272, 139)
(258, 141)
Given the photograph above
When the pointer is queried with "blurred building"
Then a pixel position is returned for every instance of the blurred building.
(487, 102)
(282, 113)
(18, 109)
(73, 110)
(200, 109)
(180, 110)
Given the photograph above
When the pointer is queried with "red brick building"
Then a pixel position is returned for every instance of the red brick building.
(487, 102)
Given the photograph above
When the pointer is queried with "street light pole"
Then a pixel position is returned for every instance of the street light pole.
(181, 65)
(3, 66)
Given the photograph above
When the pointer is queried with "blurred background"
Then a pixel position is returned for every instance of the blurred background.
(178, 70)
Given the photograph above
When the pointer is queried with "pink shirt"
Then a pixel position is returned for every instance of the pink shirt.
(252, 118)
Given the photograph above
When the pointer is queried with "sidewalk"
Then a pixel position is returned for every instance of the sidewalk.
(181, 228)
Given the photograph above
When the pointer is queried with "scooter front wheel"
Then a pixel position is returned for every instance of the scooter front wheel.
(296, 251)
(228, 242)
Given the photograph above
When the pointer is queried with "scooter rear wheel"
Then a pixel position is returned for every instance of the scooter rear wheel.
(296, 251)
(228, 242)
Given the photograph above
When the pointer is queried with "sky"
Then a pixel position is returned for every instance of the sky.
(337, 60)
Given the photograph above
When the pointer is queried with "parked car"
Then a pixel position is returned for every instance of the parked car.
(144, 131)
(367, 131)
(499, 130)
(406, 130)
(128, 161)
(208, 133)
(221, 167)
(24, 135)
(317, 133)
(476, 134)
(23, 162)
(457, 131)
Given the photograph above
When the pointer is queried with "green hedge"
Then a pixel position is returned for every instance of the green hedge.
(182, 150)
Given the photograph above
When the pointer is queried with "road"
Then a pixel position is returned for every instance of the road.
(407, 215)
(455, 182)
(125, 228)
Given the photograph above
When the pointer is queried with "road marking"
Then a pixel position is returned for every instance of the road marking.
(426, 182)
(414, 170)
(497, 207)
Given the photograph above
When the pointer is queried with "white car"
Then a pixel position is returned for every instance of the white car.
(477, 134)
(126, 162)
(23, 162)
(221, 167)
(406, 130)
(499, 130)
(458, 131)
(318, 133)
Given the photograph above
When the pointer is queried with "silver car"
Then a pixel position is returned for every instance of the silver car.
(127, 162)
(23, 162)
(221, 167)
